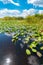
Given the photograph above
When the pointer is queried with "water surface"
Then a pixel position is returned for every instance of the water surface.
(8, 53)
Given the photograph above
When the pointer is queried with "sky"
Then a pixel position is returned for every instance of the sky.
(21, 8)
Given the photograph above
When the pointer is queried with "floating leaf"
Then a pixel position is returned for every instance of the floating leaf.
(13, 40)
(33, 44)
(39, 54)
(41, 48)
(39, 39)
(28, 52)
(41, 33)
(34, 50)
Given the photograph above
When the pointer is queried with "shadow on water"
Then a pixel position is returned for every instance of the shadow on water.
(8, 54)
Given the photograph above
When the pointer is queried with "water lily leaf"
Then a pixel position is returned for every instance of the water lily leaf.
(13, 37)
(39, 54)
(33, 44)
(34, 50)
(41, 33)
(28, 52)
(36, 35)
(13, 40)
(22, 34)
(41, 48)
(27, 38)
(39, 38)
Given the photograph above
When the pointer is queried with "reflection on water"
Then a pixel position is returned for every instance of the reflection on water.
(7, 60)
(9, 54)
(7, 51)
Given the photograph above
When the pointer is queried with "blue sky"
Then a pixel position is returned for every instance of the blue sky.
(20, 7)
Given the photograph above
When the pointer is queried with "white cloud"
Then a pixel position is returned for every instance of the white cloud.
(40, 12)
(28, 12)
(6, 12)
(16, 13)
(10, 1)
(36, 2)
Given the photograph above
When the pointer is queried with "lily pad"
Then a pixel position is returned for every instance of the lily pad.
(34, 50)
(39, 54)
(28, 52)
(41, 48)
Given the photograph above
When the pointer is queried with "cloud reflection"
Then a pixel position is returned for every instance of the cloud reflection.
(7, 60)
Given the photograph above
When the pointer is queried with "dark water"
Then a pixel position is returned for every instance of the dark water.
(12, 55)
(8, 54)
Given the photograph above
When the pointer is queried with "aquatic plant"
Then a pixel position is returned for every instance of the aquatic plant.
(31, 39)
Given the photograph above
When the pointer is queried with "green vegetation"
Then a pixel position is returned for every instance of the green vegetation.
(25, 29)
(31, 38)
(12, 24)
(28, 52)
